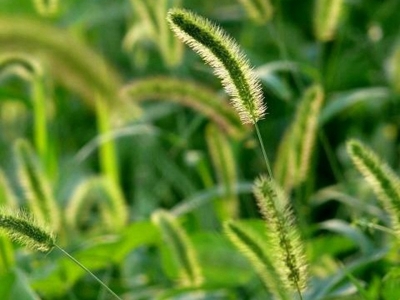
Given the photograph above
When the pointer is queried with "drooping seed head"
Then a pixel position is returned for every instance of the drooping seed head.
(225, 56)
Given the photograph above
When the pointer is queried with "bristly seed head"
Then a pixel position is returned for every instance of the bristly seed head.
(228, 61)
(23, 229)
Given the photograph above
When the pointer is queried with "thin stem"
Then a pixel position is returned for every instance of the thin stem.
(299, 292)
(263, 150)
(87, 270)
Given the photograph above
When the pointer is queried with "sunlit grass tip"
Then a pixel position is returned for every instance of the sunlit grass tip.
(383, 180)
(181, 246)
(256, 250)
(23, 229)
(227, 59)
(283, 234)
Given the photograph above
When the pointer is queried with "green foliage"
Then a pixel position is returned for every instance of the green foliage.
(113, 137)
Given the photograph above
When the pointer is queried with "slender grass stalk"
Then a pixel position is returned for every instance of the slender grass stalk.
(282, 233)
(37, 188)
(259, 11)
(33, 73)
(256, 250)
(189, 94)
(107, 151)
(88, 271)
(383, 180)
(327, 15)
(23, 229)
(225, 168)
(225, 56)
(182, 249)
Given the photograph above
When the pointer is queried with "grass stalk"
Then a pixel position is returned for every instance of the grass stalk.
(264, 153)
(88, 271)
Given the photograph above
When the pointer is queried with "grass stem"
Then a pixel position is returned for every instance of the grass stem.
(260, 140)
(88, 271)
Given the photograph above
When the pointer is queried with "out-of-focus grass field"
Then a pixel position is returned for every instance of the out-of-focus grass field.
(109, 123)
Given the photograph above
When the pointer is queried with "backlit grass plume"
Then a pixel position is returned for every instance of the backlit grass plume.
(257, 251)
(384, 182)
(225, 56)
(182, 249)
(260, 11)
(36, 186)
(327, 14)
(283, 236)
(189, 94)
(23, 229)
(294, 155)
(223, 160)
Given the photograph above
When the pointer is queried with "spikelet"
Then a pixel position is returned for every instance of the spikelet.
(36, 187)
(384, 182)
(256, 250)
(327, 14)
(189, 94)
(283, 235)
(260, 11)
(293, 161)
(182, 249)
(225, 56)
(109, 199)
(222, 157)
(23, 229)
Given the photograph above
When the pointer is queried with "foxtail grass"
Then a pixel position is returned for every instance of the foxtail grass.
(34, 73)
(327, 14)
(36, 186)
(224, 55)
(383, 180)
(229, 63)
(259, 11)
(294, 154)
(152, 27)
(189, 94)
(223, 160)
(100, 192)
(257, 251)
(283, 237)
(25, 230)
(181, 247)
(70, 62)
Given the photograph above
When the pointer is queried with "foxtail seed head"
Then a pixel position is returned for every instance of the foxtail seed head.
(224, 55)
(23, 229)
